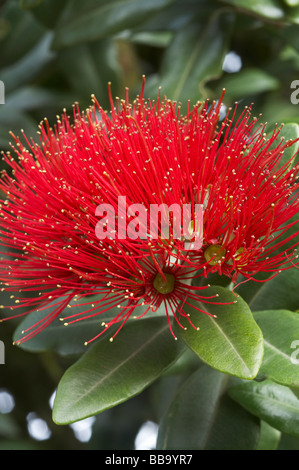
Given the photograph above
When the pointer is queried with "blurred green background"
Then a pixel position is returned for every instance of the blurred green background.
(55, 52)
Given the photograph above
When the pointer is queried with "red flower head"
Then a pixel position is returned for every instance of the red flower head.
(135, 204)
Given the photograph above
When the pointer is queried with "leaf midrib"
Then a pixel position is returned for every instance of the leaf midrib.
(192, 59)
(270, 399)
(233, 348)
(128, 358)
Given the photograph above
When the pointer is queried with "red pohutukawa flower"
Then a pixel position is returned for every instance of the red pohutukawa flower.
(134, 204)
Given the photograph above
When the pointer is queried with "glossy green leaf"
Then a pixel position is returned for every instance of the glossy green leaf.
(248, 82)
(90, 20)
(111, 373)
(271, 402)
(232, 342)
(280, 329)
(195, 56)
(268, 9)
(206, 417)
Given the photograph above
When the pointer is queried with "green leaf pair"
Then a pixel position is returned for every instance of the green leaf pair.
(108, 374)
